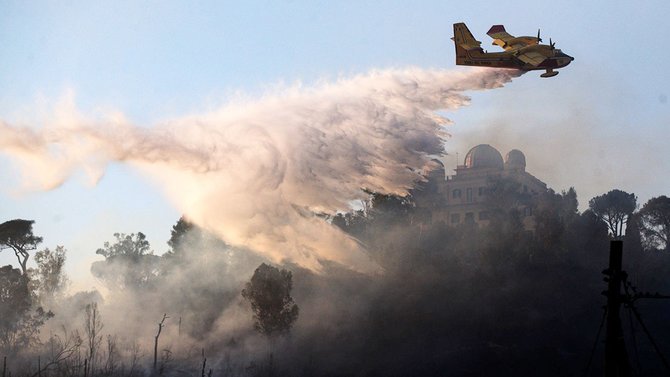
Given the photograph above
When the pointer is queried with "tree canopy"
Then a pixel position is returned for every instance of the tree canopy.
(654, 221)
(614, 208)
(269, 293)
(129, 262)
(18, 236)
(49, 274)
(178, 234)
(14, 295)
(19, 323)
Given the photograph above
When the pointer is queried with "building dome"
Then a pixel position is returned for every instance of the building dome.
(484, 156)
(515, 159)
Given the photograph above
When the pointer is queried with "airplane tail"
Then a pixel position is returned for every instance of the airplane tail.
(464, 38)
(461, 54)
(464, 41)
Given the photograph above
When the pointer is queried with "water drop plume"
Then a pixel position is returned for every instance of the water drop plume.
(256, 172)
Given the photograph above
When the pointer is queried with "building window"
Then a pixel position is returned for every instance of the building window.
(456, 193)
(481, 191)
(468, 195)
(483, 215)
(528, 211)
(455, 218)
(469, 218)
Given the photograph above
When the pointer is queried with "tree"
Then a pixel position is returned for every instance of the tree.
(178, 234)
(269, 293)
(14, 300)
(19, 325)
(614, 208)
(554, 214)
(569, 208)
(49, 275)
(504, 194)
(654, 221)
(18, 236)
(129, 262)
(504, 202)
(387, 208)
(354, 222)
(158, 334)
(92, 330)
(133, 246)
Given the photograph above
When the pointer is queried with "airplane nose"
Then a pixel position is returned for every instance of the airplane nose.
(568, 59)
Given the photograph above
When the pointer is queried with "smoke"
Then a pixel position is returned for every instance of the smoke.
(259, 172)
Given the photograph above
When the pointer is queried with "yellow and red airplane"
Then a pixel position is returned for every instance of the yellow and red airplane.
(524, 53)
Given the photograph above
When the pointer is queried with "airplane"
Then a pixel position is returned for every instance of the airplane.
(524, 53)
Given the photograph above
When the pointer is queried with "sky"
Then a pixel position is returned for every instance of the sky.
(602, 123)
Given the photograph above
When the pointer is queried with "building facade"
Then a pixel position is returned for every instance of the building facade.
(464, 197)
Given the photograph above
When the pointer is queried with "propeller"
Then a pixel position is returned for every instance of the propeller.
(552, 44)
(538, 36)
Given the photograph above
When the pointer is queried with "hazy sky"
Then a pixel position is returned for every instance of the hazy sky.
(602, 123)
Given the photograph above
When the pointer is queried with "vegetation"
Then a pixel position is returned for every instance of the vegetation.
(269, 293)
(463, 301)
(655, 223)
(18, 236)
(129, 262)
(614, 208)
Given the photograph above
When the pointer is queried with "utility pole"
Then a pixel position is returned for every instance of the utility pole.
(616, 357)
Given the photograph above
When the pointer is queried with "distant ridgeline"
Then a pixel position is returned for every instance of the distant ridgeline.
(481, 186)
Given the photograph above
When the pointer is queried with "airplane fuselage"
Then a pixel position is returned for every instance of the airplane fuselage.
(506, 59)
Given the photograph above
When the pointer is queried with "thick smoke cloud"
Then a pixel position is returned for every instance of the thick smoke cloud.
(257, 173)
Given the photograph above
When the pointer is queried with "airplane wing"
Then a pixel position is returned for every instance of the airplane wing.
(501, 37)
(532, 57)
